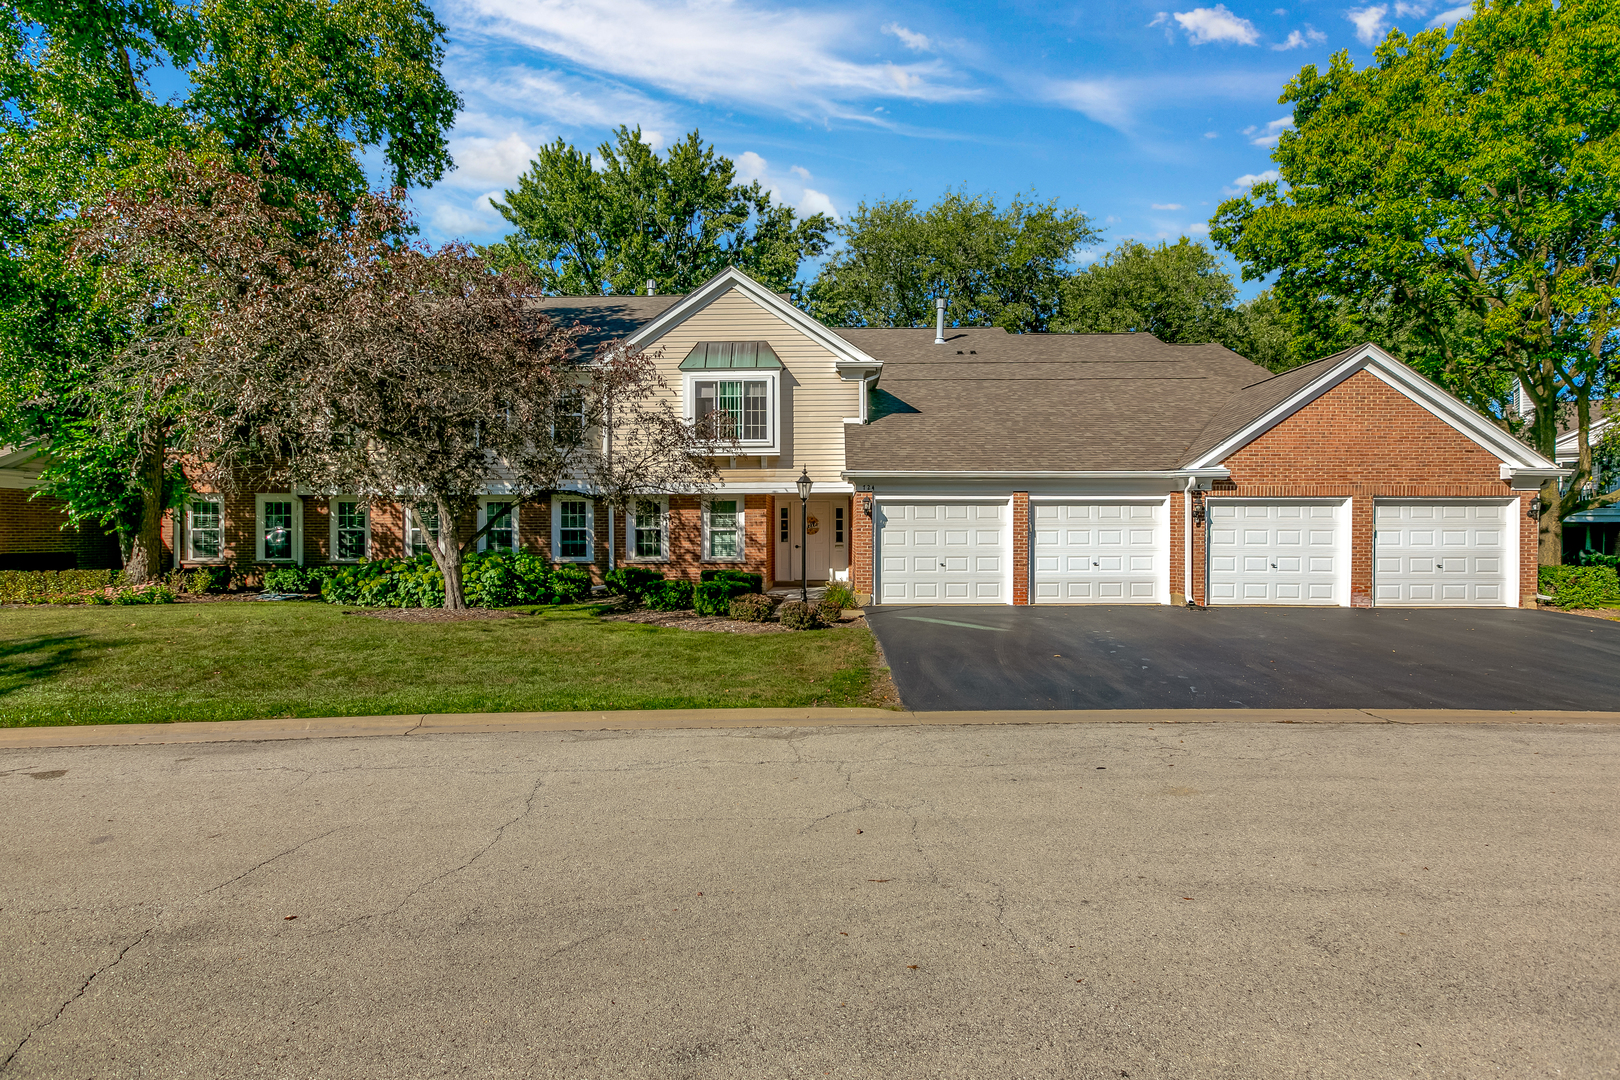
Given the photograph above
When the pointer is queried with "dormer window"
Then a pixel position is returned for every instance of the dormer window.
(737, 380)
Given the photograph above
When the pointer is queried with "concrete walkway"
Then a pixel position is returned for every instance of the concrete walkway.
(349, 727)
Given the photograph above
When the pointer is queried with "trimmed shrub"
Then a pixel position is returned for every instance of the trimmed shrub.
(799, 616)
(53, 586)
(755, 582)
(753, 607)
(673, 595)
(569, 584)
(497, 579)
(1593, 558)
(840, 592)
(1582, 586)
(155, 593)
(715, 597)
(290, 579)
(828, 610)
(633, 582)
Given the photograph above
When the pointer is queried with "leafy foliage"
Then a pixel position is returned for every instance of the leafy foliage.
(1177, 292)
(715, 597)
(1590, 586)
(674, 595)
(633, 582)
(494, 579)
(50, 586)
(569, 584)
(841, 593)
(754, 581)
(796, 615)
(993, 266)
(609, 223)
(1464, 191)
(753, 607)
(292, 579)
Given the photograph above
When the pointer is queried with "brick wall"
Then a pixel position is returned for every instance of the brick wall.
(1366, 440)
(1020, 547)
(860, 544)
(35, 535)
(1178, 547)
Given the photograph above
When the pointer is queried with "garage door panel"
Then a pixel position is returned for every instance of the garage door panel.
(1450, 554)
(1096, 552)
(1275, 553)
(942, 552)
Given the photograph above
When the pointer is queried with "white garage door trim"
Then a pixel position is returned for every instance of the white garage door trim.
(1005, 551)
(1158, 548)
(1213, 570)
(1405, 573)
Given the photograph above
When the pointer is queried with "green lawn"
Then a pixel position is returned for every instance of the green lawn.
(236, 661)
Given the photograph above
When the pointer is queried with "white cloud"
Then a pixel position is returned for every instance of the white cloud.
(792, 189)
(1117, 102)
(1216, 24)
(789, 60)
(1102, 100)
(568, 100)
(1271, 134)
(1198, 228)
(482, 161)
(1369, 22)
(1168, 206)
(1248, 180)
(1454, 15)
(1299, 40)
(1403, 10)
(451, 219)
(909, 38)
(1212, 134)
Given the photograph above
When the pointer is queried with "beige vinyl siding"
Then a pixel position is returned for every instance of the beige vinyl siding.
(814, 400)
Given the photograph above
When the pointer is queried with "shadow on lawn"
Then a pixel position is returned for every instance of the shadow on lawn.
(25, 660)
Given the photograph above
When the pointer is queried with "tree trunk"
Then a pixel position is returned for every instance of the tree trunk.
(447, 553)
(145, 561)
(1550, 529)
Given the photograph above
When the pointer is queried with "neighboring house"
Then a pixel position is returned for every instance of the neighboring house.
(34, 529)
(1597, 529)
(973, 466)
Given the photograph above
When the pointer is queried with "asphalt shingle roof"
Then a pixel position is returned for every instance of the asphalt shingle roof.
(606, 318)
(989, 401)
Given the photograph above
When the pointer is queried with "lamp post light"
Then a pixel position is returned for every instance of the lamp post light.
(804, 550)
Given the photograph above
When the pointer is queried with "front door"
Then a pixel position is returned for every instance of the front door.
(825, 532)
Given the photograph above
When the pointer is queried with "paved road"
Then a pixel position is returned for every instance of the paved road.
(1087, 901)
(1260, 658)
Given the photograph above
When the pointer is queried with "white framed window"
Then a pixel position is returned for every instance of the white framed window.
(838, 526)
(723, 537)
(503, 535)
(568, 416)
(573, 529)
(205, 530)
(646, 530)
(785, 526)
(420, 529)
(278, 535)
(351, 529)
(748, 401)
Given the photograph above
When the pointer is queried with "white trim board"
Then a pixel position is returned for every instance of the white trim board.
(1436, 400)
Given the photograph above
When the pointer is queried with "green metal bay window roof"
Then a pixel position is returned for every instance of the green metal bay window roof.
(730, 356)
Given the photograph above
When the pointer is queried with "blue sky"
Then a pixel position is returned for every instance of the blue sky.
(1142, 116)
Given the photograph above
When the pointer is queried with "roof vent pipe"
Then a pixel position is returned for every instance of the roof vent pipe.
(649, 286)
(939, 321)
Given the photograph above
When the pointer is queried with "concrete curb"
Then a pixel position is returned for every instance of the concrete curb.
(351, 727)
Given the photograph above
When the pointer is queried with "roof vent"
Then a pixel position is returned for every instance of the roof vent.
(939, 322)
(649, 286)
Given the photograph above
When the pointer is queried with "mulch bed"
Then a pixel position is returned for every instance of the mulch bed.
(691, 620)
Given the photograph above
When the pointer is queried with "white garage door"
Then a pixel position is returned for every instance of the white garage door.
(1097, 552)
(1268, 552)
(1442, 554)
(943, 552)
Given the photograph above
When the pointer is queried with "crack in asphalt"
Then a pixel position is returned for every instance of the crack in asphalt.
(500, 833)
(267, 862)
(94, 975)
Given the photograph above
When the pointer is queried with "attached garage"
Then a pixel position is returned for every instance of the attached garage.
(1100, 552)
(937, 551)
(1443, 553)
(1276, 551)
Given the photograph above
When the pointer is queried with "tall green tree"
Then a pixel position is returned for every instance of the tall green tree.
(1177, 292)
(299, 91)
(587, 227)
(1465, 185)
(992, 266)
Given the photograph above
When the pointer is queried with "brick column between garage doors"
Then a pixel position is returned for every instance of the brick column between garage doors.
(1020, 546)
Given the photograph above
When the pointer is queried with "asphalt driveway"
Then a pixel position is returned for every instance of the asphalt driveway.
(1261, 658)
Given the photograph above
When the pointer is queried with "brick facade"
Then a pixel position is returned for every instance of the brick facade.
(860, 543)
(1020, 547)
(1365, 440)
(35, 535)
